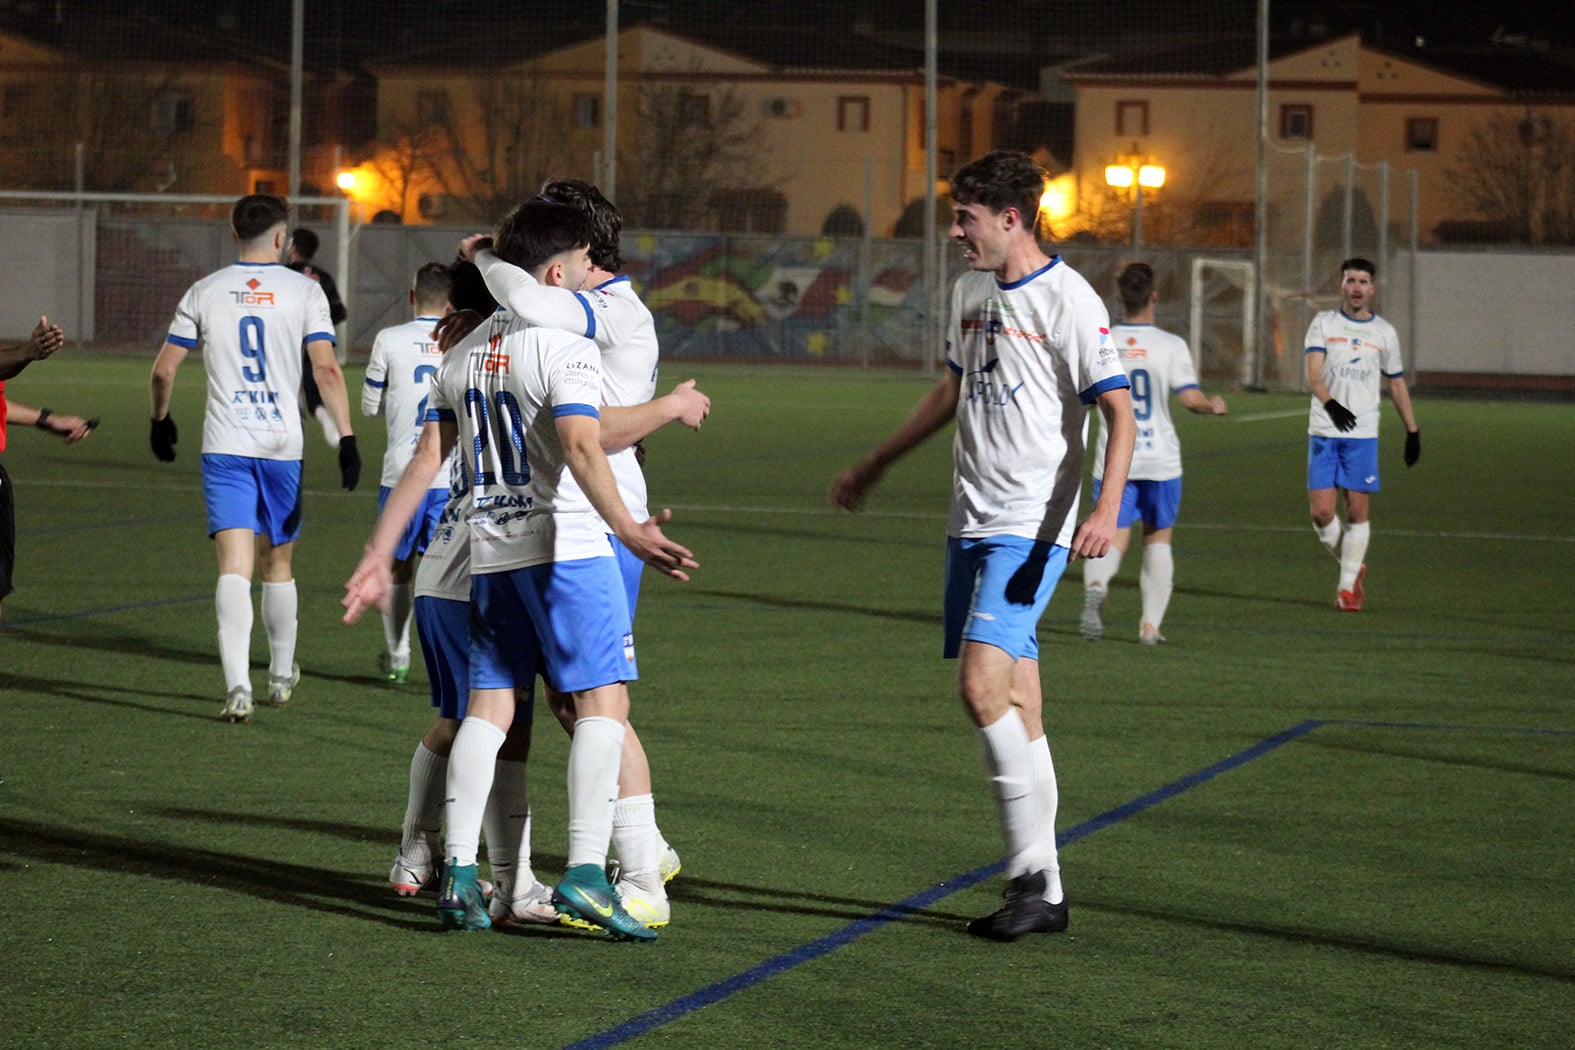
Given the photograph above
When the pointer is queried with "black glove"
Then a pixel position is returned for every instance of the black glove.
(1339, 415)
(161, 435)
(1413, 447)
(349, 463)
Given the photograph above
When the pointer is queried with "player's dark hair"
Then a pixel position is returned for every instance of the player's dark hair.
(1135, 285)
(1360, 264)
(467, 289)
(1000, 180)
(606, 223)
(536, 231)
(433, 284)
(306, 243)
(256, 214)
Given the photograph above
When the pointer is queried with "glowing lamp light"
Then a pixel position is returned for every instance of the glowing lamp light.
(1149, 176)
(1059, 200)
(1119, 175)
(346, 181)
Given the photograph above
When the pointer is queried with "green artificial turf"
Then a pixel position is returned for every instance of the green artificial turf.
(1394, 872)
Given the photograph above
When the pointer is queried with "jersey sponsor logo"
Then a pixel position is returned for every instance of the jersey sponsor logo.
(495, 361)
(253, 397)
(252, 298)
(1333, 339)
(994, 327)
(628, 647)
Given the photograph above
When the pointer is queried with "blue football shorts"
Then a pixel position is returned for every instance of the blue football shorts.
(630, 568)
(1347, 463)
(443, 627)
(418, 531)
(996, 590)
(261, 495)
(567, 620)
(1154, 502)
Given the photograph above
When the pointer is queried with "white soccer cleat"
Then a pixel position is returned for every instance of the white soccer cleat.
(1148, 634)
(238, 705)
(669, 866)
(651, 910)
(408, 878)
(280, 687)
(1093, 624)
(533, 906)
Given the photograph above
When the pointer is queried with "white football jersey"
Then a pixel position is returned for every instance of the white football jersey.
(1158, 364)
(505, 385)
(399, 378)
(1355, 355)
(444, 571)
(1032, 355)
(614, 318)
(251, 320)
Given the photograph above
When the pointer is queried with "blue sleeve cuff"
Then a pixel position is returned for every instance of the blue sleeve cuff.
(376, 384)
(440, 415)
(1089, 396)
(1317, 350)
(954, 366)
(1189, 386)
(181, 341)
(590, 318)
(315, 336)
(575, 409)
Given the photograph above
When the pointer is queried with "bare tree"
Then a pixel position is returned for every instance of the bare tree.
(691, 144)
(1517, 172)
(109, 114)
(408, 157)
(515, 144)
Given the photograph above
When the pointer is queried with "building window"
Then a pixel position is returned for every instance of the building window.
(587, 111)
(1421, 135)
(1131, 118)
(694, 111)
(1296, 122)
(431, 108)
(853, 113)
(172, 114)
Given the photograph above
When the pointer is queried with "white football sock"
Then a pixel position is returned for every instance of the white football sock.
(1354, 553)
(423, 804)
(634, 837)
(232, 603)
(1049, 798)
(1330, 535)
(1157, 580)
(1098, 572)
(594, 753)
(506, 824)
(396, 623)
(279, 604)
(1004, 744)
(470, 769)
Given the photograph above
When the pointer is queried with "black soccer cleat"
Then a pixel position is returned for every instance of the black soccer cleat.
(1025, 911)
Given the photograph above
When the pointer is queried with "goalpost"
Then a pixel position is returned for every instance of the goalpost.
(1212, 281)
(66, 284)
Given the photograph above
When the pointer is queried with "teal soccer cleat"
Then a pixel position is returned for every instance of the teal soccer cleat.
(461, 905)
(585, 894)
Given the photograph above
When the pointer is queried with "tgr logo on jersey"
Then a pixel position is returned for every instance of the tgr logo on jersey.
(495, 362)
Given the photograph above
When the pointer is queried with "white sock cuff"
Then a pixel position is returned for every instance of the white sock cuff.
(481, 725)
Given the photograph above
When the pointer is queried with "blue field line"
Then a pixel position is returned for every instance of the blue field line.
(870, 923)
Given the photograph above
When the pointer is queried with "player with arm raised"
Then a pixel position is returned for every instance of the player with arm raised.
(1028, 347)
(545, 585)
(1158, 365)
(251, 319)
(398, 378)
(1351, 353)
(610, 313)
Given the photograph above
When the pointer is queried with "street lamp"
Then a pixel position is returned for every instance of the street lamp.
(1135, 174)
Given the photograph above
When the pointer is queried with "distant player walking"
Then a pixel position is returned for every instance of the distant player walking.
(1349, 352)
(251, 319)
(1159, 365)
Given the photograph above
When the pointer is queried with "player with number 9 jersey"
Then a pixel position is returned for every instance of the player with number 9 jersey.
(251, 319)
(1158, 364)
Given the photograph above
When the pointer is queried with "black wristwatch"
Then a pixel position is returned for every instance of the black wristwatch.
(42, 422)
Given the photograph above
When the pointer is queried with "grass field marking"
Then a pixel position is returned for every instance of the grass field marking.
(739, 982)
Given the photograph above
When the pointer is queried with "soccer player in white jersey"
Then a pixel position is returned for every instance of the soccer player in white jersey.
(1158, 364)
(398, 377)
(1029, 350)
(1351, 353)
(251, 319)
(545, 586)
(610, 313)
